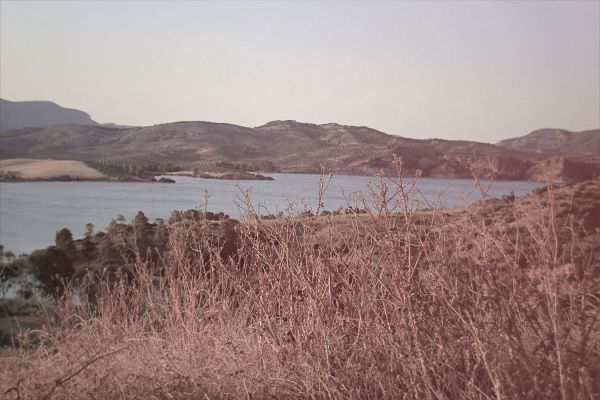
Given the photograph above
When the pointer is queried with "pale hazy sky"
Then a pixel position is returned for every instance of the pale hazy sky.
(457, 70)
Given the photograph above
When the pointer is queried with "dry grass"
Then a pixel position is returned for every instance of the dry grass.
(28, 168)
(497, 301)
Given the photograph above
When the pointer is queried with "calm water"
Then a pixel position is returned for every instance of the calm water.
(32, 212)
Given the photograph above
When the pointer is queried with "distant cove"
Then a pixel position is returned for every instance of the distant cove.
(32, 212)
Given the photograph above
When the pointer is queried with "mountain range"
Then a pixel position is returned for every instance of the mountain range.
(46, 130)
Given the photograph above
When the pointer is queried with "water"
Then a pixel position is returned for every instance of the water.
(32, 212)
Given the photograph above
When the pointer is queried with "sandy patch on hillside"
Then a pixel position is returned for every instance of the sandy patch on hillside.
(47, 169)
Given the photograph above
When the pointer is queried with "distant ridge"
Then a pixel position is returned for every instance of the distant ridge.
(26, 114)
(556, 141)
(42, 129)
(291, 146)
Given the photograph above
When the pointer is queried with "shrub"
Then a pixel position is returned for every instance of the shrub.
(52, 268)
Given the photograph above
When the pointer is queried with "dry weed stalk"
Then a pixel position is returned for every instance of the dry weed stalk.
(495, 301)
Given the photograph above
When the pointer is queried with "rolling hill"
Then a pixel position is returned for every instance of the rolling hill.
(44, 130)
(287, 146)
(556, 141)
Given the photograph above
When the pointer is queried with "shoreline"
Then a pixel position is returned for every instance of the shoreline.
(140, 180)
(76, 179)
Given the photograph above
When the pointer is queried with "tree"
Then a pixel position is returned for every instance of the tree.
(10, 256)
(143, 232)
(228, 238)
(8, 273)
(6, 257)
(116, 226)
(64, 241)
(89, 230)
(52, 268)
(108, 253)
(161, 235)
(88, 249)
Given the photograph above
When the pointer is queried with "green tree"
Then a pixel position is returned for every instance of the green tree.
(8, 273)
(142, 231)
(161, 235)
(108, 253)
(10, 256)
(64, 241)
(6, 257)
(89, 230)
(116, 226)
(52, 268)
(228, 238)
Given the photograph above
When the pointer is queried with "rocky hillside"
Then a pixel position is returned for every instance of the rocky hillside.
(23, 114)
(556, 141)
(286, 146)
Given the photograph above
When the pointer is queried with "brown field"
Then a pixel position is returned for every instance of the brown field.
(28, 168)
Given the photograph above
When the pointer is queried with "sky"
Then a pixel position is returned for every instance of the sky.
(470, 70)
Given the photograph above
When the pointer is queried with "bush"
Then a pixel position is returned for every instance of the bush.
(53, 269)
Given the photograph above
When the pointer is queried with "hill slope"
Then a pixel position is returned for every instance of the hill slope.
(556, 141)
(22, 114)
(288, 146)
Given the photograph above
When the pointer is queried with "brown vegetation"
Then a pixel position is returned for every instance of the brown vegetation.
(499, 300)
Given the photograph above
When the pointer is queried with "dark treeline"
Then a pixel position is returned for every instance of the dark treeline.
(133, 171)
(102, 254)
(148, 171)
(254, 166)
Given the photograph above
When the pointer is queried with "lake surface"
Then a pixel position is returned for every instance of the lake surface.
(32, 212)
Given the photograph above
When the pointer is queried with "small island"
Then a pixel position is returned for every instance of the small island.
(163, 179)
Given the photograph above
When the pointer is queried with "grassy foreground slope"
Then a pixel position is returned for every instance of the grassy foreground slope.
(498, 300)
